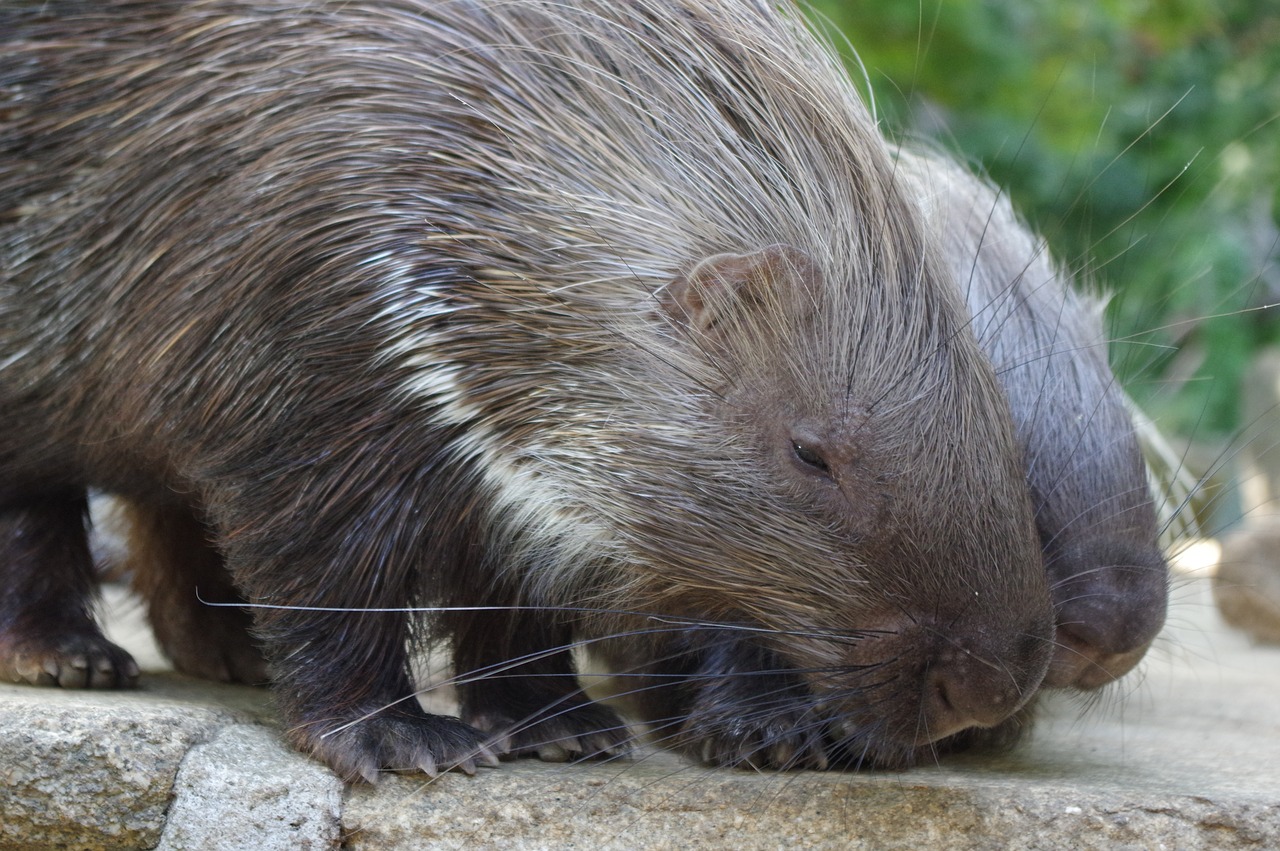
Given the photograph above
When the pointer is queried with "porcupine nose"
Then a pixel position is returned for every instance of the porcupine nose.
(969, 685)
(926, 679)
(1110, 596)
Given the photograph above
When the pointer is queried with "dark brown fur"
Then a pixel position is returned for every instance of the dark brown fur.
(622, 324)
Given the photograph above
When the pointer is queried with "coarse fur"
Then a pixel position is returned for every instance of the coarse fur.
(1085, 469)
(1094, 509)
(619, 321)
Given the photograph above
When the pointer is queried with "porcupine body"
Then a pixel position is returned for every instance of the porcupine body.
(613, 318)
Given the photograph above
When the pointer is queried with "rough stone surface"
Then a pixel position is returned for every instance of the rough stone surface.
(660, 804)
(1182, 756)
(246, 789)
(94, 769)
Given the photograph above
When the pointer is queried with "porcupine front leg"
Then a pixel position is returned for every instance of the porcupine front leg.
(343, 686)
(334, 634)
(517, 681)
(47, 632)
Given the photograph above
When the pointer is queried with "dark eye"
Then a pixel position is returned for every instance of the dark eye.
(810, 458)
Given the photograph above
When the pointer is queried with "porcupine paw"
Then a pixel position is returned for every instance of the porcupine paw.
(396, 739)
(755, 736)
(558, 733)
(82, 658)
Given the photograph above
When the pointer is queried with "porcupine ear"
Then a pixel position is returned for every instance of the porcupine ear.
(775, 280)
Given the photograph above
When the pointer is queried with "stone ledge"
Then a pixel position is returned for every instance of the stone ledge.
(97, 770)
(1184, 756)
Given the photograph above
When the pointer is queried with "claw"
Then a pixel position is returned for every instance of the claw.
(501, 745)
(553, 752)
(46, 673)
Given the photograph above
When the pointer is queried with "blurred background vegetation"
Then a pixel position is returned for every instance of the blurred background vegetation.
(1141, 137)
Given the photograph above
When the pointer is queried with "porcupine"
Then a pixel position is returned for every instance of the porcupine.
(614, 318)
(1093, 501)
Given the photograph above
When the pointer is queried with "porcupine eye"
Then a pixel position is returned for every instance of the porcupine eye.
(811, 458)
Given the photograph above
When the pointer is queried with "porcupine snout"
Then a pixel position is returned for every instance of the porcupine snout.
(931, 679)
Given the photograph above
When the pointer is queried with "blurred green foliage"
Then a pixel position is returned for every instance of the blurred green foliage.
(1141, 137)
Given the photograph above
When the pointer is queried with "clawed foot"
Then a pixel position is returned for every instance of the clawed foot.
(793, 737)
(397, 740)
(80, 659)
(557, 734)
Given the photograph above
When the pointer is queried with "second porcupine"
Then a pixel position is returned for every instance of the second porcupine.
(611, 316)
(1089, 484)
